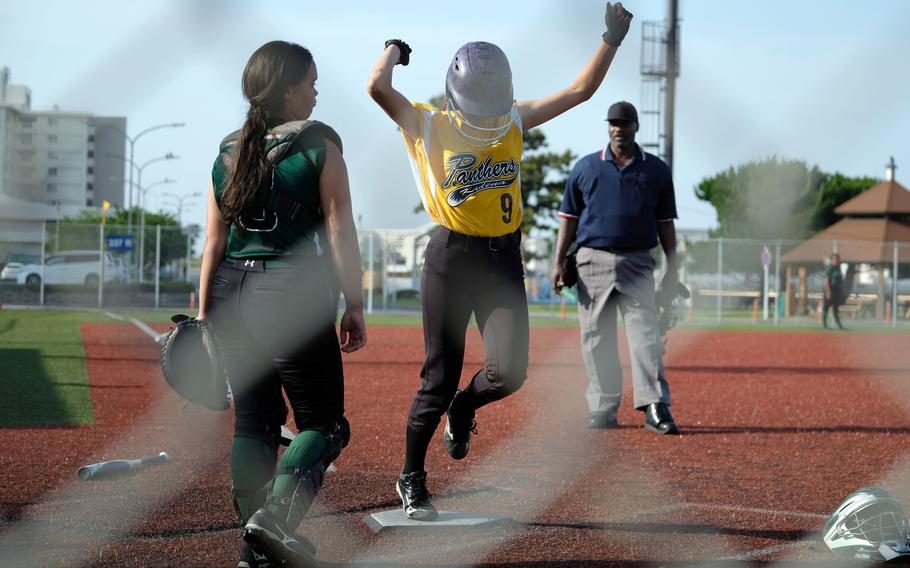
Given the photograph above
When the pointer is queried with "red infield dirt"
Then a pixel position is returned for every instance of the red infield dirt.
(777, 428)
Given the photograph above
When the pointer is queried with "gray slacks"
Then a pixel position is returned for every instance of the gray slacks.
(607, 281)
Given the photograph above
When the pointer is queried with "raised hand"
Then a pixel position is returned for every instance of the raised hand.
(618, 20)
(404, 49)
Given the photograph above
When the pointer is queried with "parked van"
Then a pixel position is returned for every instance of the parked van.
(71, 267)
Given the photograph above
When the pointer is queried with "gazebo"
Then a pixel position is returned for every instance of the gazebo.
(874, 230)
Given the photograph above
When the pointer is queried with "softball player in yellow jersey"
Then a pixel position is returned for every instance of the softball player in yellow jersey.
(466, 159)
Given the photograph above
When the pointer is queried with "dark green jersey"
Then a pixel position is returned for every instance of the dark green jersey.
(291, 222)
(832, 273)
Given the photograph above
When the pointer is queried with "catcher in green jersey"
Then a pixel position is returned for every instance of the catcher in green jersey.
(280, 241)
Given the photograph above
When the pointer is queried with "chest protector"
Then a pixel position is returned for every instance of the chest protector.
(290, 220)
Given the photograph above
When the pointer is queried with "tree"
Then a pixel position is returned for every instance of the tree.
(777, 199)
(771, 199)
(80, 231)
(774, 199)
(834, 191)
(543, 181)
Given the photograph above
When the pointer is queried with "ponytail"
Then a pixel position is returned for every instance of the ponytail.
(270, 71)
(251, 168)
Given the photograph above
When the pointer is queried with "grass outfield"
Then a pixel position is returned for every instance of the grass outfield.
(43, 381)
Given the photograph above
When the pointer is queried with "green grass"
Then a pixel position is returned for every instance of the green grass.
(43, 381)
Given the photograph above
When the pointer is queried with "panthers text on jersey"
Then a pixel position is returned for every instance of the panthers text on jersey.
(468, 189)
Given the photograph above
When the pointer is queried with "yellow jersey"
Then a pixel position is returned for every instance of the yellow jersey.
(467, 189)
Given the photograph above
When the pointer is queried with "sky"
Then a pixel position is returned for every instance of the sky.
(823, 81)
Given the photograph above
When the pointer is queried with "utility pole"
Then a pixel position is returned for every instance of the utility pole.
(659, 70)
(670, 78)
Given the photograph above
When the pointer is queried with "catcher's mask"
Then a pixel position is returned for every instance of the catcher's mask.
(868, 525)
(481, 106)
(192, 364)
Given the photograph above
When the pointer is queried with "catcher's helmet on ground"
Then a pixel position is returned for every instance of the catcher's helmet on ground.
(868, 525)
(192, 364)
(481, 105)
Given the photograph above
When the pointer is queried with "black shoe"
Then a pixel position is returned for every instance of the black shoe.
(252, 557)
(658, 419)
(412, 488)
(267, 534)
(457, 435)
(603, 421)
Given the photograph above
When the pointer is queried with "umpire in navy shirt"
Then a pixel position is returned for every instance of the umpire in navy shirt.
(618, 204)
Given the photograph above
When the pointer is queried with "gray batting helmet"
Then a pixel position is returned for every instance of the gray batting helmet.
(479, 80)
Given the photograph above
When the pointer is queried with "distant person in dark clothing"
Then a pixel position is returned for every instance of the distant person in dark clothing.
(834, 291)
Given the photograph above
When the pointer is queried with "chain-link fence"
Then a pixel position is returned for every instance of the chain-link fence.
(69, 265)
(777, 280)
(59, 264)
(393, 262)
(731, 280)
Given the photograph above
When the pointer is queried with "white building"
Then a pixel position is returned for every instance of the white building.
(62, 159)
(18, 96)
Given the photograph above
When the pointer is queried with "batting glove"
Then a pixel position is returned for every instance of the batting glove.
(618, 20)
(403, 48)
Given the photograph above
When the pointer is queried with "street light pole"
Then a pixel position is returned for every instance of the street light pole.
(132, 143)
(168, 156)
(180, 199)
(140, 169)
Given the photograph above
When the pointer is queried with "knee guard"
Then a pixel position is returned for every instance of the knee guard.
(306, 480)
(306, 484)
(253, 456)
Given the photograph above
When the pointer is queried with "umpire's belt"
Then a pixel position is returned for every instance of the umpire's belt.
(451, 239)
(622, 250)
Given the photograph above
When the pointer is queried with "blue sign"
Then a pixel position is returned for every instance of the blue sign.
(120, 243)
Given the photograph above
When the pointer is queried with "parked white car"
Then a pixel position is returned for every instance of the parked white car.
(71, 267)
(121, 271)
(11, 270)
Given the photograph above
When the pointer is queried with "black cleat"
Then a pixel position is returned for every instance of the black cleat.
(603, 421)
(412, 488)
(251, 557)
(457, 435)
(267, 534)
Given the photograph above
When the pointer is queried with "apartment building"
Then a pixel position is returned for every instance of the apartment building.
(64, 159)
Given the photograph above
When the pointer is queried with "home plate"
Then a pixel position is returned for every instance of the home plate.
(395, 519)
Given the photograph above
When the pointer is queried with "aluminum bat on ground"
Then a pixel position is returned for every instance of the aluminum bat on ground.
(118, 468)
